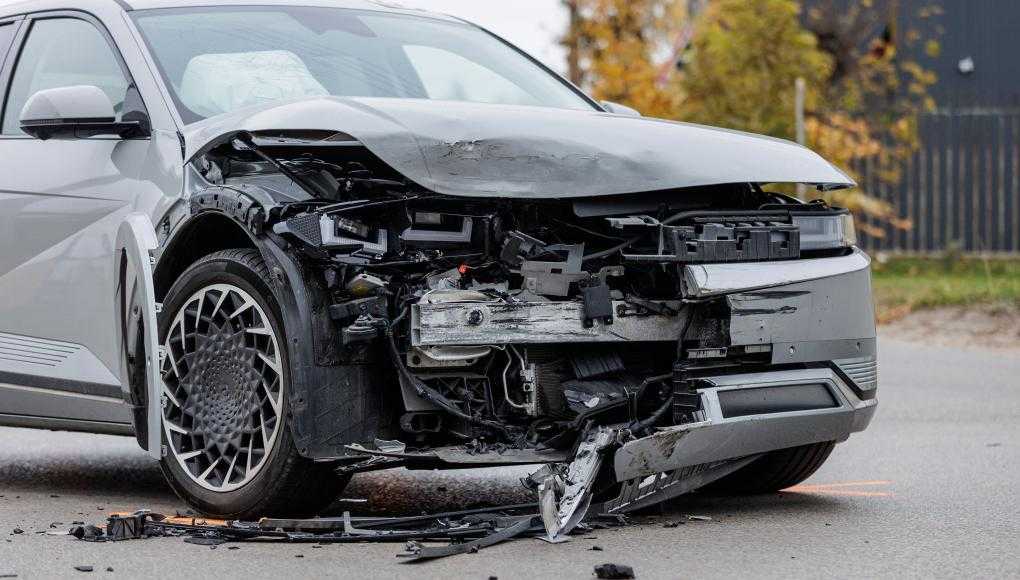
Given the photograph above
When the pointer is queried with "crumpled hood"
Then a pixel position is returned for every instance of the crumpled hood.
(481, 150)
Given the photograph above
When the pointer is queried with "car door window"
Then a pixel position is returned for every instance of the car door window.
(6, 36)
(62, 52)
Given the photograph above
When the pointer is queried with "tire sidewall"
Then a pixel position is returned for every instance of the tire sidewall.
(224, 270)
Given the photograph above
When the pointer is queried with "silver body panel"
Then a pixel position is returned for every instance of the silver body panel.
(61, 204)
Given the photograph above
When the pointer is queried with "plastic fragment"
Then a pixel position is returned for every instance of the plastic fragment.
(611, 571)
(204, 541)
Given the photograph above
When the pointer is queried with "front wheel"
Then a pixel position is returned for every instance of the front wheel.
(228, 448)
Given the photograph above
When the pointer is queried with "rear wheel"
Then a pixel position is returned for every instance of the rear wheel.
(229, 450)
(774, 470)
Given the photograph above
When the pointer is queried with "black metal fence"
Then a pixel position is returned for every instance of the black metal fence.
(961, 189)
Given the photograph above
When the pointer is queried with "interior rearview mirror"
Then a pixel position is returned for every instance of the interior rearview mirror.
(618, 109)
(75, 112)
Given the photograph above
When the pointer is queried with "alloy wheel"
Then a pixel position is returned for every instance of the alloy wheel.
(223, 387)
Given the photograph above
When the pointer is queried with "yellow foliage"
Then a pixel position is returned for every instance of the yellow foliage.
(618, 46)
(746, 56)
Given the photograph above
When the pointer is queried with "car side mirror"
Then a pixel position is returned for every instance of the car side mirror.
(618, 109)
(75, 112)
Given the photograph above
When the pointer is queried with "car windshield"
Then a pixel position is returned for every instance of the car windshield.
(216, 60)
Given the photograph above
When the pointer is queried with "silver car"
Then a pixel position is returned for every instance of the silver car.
(283, 243)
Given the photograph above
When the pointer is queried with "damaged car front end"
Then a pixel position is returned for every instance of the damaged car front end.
(643, 345)
(628, 302)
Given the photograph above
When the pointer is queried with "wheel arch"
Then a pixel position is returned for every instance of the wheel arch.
(202, 234)
(323, 419)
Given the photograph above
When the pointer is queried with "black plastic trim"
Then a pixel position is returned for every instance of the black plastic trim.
(62, 385)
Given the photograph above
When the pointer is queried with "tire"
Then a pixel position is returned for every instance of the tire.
(774, 471)
(229, 451)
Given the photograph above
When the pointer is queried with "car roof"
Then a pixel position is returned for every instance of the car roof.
(29, 6)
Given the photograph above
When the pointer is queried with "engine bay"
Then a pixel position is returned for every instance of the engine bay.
(515, 323)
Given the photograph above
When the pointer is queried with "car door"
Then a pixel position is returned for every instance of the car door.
(61, 202)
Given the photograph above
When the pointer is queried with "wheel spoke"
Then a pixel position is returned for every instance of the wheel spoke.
(230, 470)
(272, 400)
(265, 435)
(270, 362)
(176, 428)
(198, 311)
(245, 306)
(219, 302)
(170, 396)
(173, 361)
(209, 470)
(247, 469)
(191, 454)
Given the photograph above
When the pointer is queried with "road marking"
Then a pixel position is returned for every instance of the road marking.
(844, 488)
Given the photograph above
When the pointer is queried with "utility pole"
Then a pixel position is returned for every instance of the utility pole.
(800, 88)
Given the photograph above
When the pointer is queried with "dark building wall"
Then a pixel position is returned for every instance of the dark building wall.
(988, 33)
(962, 188)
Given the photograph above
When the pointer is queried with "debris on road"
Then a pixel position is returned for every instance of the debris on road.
(204, 541)
(84, 568)
(614, 572)
(88, 533)
(467, 531)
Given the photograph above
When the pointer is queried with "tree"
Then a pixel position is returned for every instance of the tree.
(746, 57)
(616, 49)
(739, 71)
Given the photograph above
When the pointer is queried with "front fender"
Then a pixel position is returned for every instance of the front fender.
(333, 401)
(136, 308)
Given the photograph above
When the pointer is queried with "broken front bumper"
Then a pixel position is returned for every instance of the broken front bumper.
(744, 415)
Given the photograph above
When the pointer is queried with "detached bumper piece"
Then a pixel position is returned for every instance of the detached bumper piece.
(466, 531)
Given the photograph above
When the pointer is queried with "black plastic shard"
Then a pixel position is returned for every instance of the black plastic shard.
(614, 571)
(204, 541)
(418, 552)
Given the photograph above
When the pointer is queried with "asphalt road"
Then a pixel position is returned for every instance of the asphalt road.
(928, 491)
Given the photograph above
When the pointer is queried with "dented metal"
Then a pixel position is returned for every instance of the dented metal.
(485, 150)
(500, 322)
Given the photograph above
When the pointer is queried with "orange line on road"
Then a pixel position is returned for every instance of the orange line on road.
(839, 488)
(841, 492)
(843, 484)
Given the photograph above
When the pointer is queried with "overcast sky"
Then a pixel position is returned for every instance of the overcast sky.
(534, 25)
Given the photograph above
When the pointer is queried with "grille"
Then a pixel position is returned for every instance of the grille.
(307, 228)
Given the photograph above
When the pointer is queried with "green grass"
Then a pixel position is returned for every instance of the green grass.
(903, 285)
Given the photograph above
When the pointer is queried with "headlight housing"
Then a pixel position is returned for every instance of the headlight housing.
(826, 232)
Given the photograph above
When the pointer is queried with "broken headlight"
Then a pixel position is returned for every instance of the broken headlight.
(826, 232)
